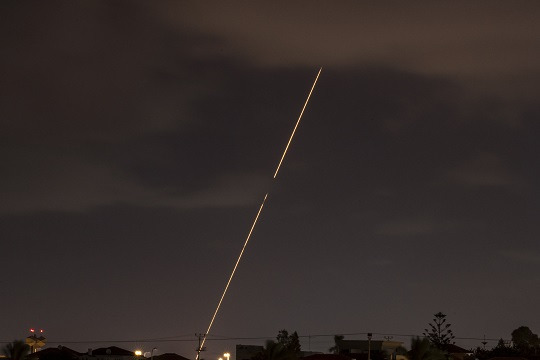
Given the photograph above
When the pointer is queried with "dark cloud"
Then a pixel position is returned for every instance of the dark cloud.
(484, 170)
(472, 39)
(137, 140)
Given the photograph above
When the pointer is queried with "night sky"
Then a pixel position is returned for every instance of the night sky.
(138, 139)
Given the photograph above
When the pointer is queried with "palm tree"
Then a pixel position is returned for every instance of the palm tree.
(16, 350)
(423, 349)
(335, 349)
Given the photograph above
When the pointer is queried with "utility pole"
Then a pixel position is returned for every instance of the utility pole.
(199, 348)
(393, 355)
(369, 335)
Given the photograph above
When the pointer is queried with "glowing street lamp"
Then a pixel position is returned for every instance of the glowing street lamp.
(138, 352)
(227, 355)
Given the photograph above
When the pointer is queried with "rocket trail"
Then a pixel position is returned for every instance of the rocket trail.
(234, 270)
(297, 122)
(255, 220)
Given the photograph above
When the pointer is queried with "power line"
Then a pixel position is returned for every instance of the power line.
(228, 338)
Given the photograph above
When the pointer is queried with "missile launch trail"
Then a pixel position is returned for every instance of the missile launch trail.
(297, 122)
(234, 270)
(256, 218)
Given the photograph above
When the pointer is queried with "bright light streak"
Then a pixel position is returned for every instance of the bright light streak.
(234, 270)
(297, 122)
(256, 219)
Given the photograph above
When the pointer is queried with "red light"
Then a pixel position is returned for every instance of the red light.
(41, 331)
(31, 330)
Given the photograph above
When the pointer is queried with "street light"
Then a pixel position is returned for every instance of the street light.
(227, 355)
(138, 352)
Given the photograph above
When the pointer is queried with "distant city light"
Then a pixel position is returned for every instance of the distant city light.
(138, 352)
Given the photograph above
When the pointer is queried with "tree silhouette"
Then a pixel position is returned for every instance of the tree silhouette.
(440, 334)
(275, 351)
(16, 350)
(282, 336)
(525, 341)
(424, 349)
(503, 350)
(291, 342)
(335, 349)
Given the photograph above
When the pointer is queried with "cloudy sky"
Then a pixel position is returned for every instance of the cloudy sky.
(138, 139)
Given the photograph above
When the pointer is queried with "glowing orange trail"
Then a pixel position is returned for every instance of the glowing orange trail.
(255, 220)
(232, 273)
(297, 122)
